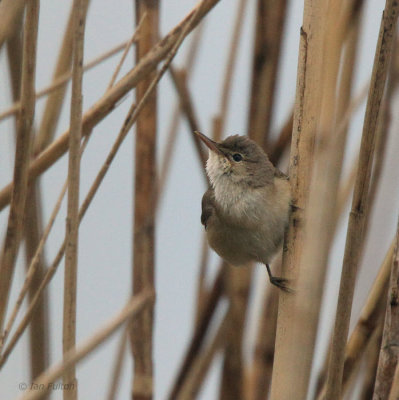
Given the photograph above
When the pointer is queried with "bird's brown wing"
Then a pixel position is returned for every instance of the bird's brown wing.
(207, 205)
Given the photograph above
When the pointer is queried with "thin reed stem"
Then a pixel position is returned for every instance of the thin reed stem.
(56, 98)
(126, 50)
(187, 106)
(107, 103)
(178, 109)
(366, 323)
(372, 353)
(118, 363)
(389, 353)
(131, 310)
(269, 28)
(22, 156)
(10, 11)
(262, 365)
(229, 70)
(64, 78)
(355, 234)
(141, 330)
(32, 269)
(72, 220)
(198, 335)
(306, 114)
(39, 328)
(197, 374)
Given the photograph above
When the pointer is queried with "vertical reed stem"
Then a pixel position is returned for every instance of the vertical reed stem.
(22, 156)
(144, 206)
(358, 213)
(389, 353)
(72, 220)
(269, 28)
(306, 114)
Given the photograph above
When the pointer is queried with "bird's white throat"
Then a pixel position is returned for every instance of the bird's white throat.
(227, 191)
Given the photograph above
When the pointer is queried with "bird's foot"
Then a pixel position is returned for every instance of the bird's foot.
(281, 283)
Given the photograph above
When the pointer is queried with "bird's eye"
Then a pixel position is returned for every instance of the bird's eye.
(237, 157)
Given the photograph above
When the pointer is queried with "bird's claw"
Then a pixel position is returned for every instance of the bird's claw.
(281, 283)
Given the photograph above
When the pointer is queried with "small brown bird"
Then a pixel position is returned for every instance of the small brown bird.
(245, 211)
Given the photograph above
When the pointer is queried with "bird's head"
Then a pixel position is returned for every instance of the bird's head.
(238, 159)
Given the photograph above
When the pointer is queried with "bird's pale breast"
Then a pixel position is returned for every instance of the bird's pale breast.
(252, 227)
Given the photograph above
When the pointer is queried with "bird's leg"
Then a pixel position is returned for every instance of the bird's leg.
(276, 281)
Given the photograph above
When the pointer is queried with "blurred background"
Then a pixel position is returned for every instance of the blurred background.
(105, 241)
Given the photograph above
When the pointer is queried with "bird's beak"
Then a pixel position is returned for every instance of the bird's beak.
(211, 144)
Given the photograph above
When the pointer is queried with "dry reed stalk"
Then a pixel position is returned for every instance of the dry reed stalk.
(22, 154)
(130, 311)
(33, 225)
(128, 123)
(283, 139)
(34, 276)
(72, 220)
(34, 300)
(372, 353)
(141, 330)
(394, 393)
(202, 291)
(39, 327)
(342, 120)
(108, 102)
(66, 78)
(260, 377)
(367, 322)
(38, 332)
(389, 353)
(346, 189)
(118, 363)
(89, 197)
(180, 82)
(32, 269)
(237, 286)
(14, 58)
(346, 81)
(306, 114)
(56, 98)
(260, 373)
(53, 267)
(321, 206)
(383, 128)
(126, 50)
(201, 365)
(264, 336)
(270, 19)
(10, 11)
(347, 186)
(355, 235)
(198, 335)
(237, 282)
(174, 124)
(184, 95)
(359, 369)
(229, 70)
(38, 336)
